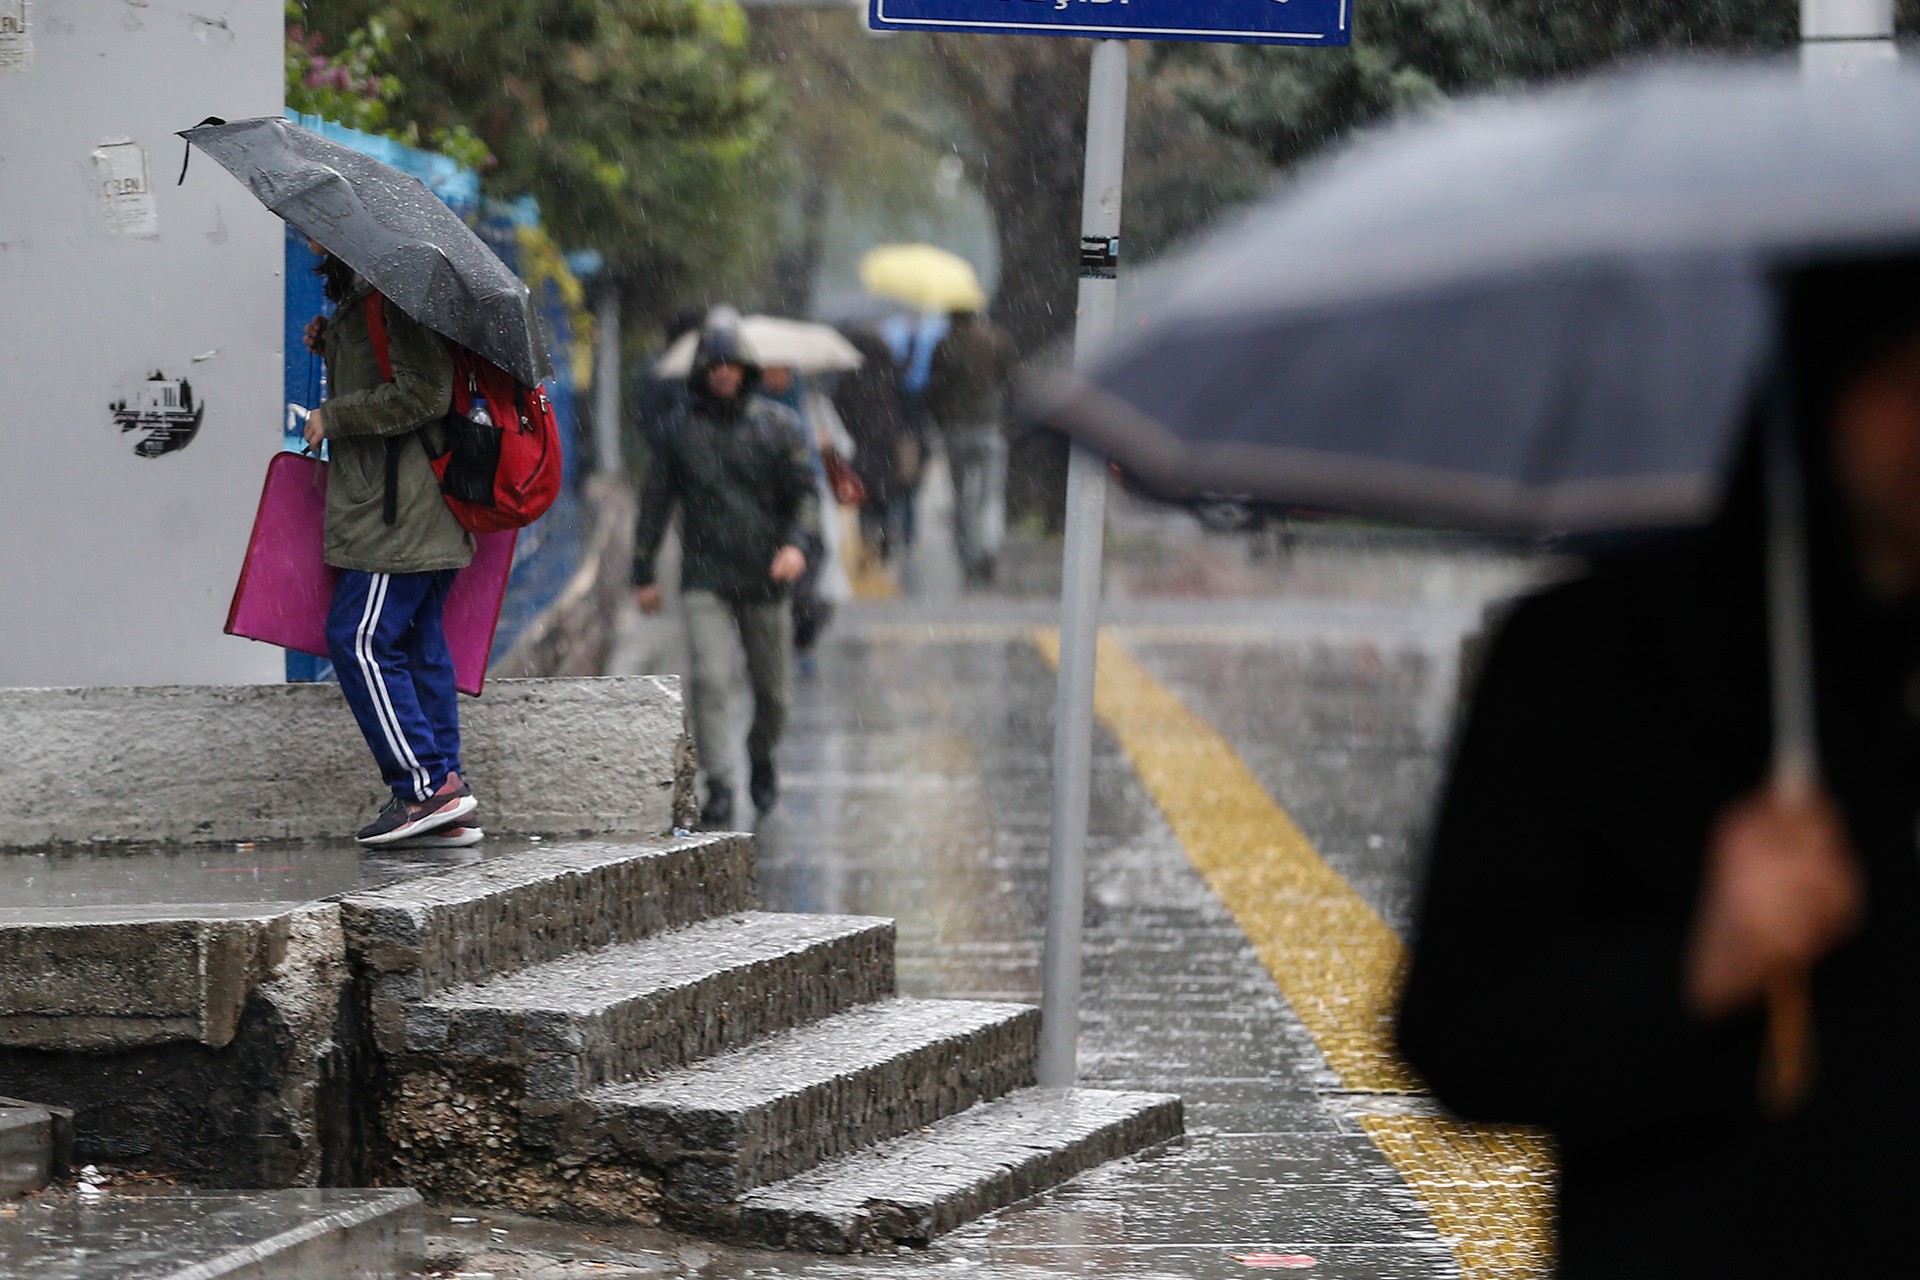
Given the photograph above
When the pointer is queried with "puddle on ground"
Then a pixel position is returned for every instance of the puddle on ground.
(80, 883)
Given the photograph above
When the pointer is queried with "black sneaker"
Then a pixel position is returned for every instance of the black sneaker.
(764, 786)
(717, 813)
(406, 819)
(454, 837)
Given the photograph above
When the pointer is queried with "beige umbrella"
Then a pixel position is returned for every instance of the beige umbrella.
(796, 344)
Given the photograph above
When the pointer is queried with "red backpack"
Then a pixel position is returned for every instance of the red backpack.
(499, 459)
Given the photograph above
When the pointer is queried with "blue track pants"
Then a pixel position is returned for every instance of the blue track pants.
(392, 660)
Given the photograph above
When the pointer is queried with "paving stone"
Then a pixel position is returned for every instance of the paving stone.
(422, 937)
(257, 1235)
(924, 1184)
(786, 1103)
(664, 1001)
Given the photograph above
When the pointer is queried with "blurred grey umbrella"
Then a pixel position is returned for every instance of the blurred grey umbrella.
(1543, 313)
(799, 345)
(1528, 314)
(387, 226)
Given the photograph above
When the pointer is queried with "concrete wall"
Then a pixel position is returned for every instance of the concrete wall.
(255, 762)
(117, 567)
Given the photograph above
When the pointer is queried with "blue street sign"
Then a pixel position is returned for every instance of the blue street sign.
(1312, 22)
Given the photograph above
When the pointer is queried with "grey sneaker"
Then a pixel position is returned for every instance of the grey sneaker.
(406, 819)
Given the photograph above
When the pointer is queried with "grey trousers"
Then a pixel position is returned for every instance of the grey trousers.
(977, 457)
(765, 632)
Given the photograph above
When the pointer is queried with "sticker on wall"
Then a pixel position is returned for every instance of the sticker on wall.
(164, 411)
(125, 193)
(16, 45)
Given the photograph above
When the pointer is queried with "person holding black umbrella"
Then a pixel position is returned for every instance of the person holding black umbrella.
(1670, 915)
(397, 545)
(1617, 888)
(396, 260)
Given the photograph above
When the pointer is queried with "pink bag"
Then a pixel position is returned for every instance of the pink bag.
(285, 587)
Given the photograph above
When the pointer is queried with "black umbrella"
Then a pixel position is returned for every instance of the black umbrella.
(1539, 313)
(1544, 313)
(390, 228)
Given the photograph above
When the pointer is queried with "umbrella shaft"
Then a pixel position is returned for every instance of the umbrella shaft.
(1789, 603)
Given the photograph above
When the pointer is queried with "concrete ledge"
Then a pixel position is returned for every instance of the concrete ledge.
(213, 1047)
(36, 1145)
(124, 984)
(269, 762)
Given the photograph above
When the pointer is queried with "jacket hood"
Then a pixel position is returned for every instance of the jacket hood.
(722, 342)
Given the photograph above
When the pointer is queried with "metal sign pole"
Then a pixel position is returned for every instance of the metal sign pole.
(1080, 587)
(1842, 38)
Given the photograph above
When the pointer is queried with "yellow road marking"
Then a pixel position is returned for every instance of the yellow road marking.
(1488, 1191)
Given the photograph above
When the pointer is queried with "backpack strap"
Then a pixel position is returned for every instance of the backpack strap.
(377, 330)
(376, 312)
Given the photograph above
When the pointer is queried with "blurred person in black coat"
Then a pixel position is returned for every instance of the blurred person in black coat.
(886, 456)
(1613, 883)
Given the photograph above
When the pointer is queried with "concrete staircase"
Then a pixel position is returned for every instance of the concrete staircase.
(615, 1032)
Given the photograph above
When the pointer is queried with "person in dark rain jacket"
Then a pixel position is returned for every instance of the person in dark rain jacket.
(1614, 887)
(884, 453)
(737, 466)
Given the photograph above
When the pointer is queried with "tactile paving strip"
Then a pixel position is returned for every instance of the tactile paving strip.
(1488, 1191)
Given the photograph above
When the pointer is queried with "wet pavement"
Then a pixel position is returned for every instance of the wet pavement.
(181, 1235)
(83, 884)
(1273, 716)
(1323, 674)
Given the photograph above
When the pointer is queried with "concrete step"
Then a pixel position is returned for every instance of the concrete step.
(916, 1187)
(785, 1104)
(251, 1235)
(36, 1145)
(642, 1007)
(422, 937)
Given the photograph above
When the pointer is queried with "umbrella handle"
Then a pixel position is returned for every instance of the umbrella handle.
(1790, 1058)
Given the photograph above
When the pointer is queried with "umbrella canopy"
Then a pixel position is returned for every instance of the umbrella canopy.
(1543, 313)
(924, 277)
(796, 344)
(387, 226)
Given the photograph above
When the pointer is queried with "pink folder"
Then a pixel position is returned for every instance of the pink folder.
(285, 587)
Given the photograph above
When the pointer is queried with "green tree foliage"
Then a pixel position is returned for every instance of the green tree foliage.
(637, 124)
(1288, 102)
(861, 127)
(1024, 106)
(352, 86)
(1405, 53)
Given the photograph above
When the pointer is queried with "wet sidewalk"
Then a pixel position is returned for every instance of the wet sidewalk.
(1263, 768)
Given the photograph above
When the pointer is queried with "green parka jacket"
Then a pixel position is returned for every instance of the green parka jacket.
(362, 415)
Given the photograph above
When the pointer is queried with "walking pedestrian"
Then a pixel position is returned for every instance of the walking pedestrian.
(812, 600)
(397, 545)
(1630, 935)
(886, 457)
(966, 398)
(737, 466)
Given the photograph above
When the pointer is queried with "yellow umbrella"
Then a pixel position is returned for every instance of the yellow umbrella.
(923, 277)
